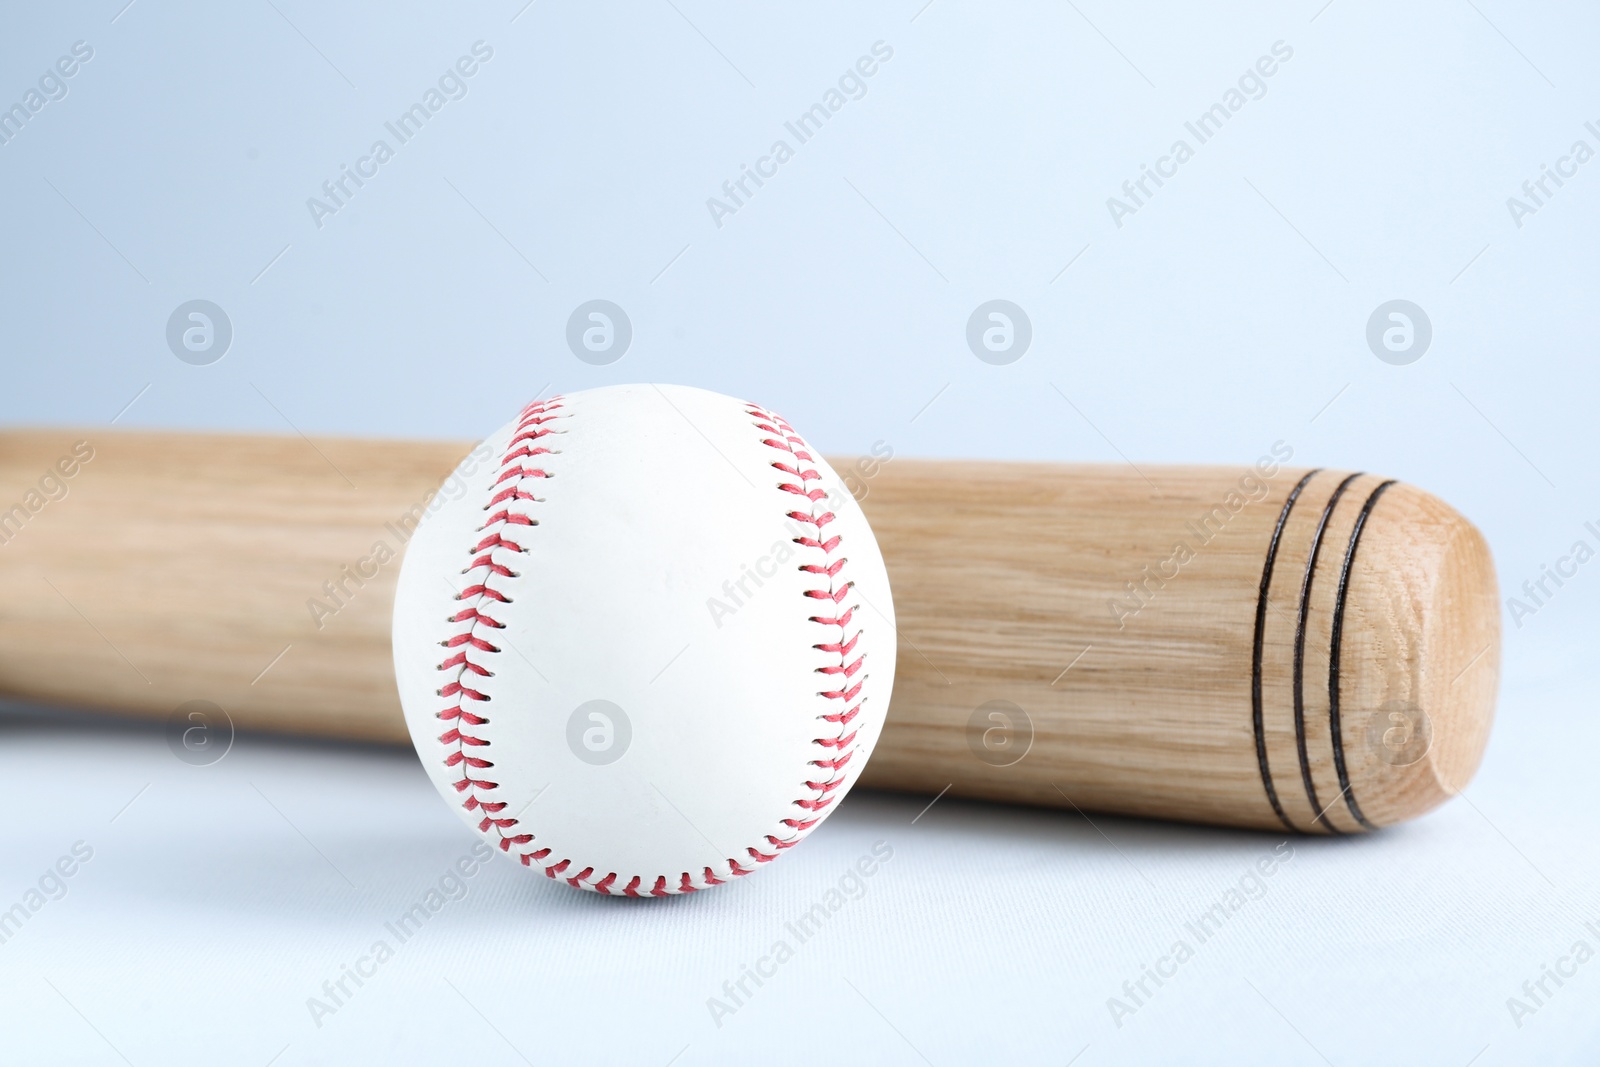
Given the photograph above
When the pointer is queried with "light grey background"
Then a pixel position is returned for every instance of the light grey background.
(1228, 313)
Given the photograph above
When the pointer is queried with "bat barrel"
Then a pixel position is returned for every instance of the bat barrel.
(1266, 647)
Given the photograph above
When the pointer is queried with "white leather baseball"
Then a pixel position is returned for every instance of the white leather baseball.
(650, 646)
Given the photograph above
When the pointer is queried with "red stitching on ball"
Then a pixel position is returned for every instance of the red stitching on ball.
(491, 588)
(841, 644)
(530, 427)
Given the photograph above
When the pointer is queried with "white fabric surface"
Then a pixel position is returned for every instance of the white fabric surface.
(221, 898)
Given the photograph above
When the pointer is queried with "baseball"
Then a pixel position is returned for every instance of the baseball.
(645, 643)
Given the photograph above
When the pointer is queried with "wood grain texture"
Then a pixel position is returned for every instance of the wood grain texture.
(1069, 635)
(1066, 591)
(178, 567)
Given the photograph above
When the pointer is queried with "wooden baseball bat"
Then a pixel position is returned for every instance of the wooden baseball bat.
(1265, 647)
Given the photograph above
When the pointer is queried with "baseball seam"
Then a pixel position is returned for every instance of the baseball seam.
(511, 495)
(842, 673)
(526, 443)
